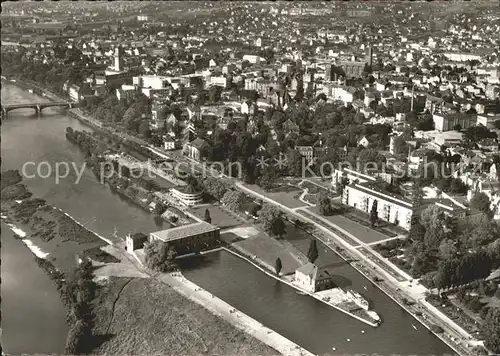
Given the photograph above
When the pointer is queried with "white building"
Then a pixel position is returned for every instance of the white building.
(168, 143)
(447, 122)
(310, 279)
(253, 59)
(391, 208)
(219, 81)
(488, 121)
(188, 195)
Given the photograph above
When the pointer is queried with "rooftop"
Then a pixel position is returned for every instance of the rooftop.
(181, 232)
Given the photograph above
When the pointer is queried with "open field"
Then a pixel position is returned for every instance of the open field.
(220, 217)
(286, 198)
(145, 317)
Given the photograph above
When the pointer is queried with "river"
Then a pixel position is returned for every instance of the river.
(302, 319)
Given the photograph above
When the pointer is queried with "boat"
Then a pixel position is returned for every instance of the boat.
(358, 299)
(372, 314)
(30, 90)
(414, 327)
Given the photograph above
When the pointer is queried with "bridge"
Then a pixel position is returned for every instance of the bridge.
(38, 107)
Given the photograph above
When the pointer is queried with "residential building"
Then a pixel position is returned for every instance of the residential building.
(196, 149)
(169, 143)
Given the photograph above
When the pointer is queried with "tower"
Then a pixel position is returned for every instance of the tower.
(118, 60)
(369, 56)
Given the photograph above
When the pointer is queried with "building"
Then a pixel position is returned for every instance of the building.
(136, 241)
(118, 59)
(453, 121)
(306, 151)
(369, 56)
(196, 149)
(350, 176)
(187, 195)
(189, 238)
(309, 278)
(168, 143)
(488, 121)
(353, 69)
(391, 208)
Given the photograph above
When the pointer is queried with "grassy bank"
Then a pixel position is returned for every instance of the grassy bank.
(143, 316)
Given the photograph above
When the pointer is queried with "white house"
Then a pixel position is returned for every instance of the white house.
(310, 279)
(169, 143)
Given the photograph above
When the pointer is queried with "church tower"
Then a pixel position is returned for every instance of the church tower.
(118, 59)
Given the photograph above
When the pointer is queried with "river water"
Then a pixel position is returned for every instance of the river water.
(302, 319)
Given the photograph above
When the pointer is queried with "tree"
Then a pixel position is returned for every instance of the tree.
(267, 215)
(278, 266)
(233, 199)
(324, 204)
(299, 93)
(208, 219)
(159, 208)
(491, 330)
(312, 253)
(417, 230)
(447, 249)
(268, 179)
(481, 202)
(159, 256)
(374, 214)
(278, 227)
(144, 129)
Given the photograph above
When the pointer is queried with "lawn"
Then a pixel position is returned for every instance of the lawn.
(363, 233)
(286, 198)
(268, 250)
(141, 316)
(220, 217)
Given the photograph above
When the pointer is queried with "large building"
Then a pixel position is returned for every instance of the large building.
(453, 121)
(188, 195)
(391, 208)
(189, 238)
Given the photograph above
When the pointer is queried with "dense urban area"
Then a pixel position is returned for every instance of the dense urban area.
(370, 130)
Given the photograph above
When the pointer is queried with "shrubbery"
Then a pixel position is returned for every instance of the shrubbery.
(159, 256)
